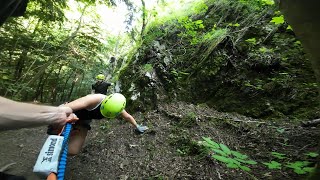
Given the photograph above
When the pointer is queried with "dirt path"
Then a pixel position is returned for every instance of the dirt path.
(169, 149)
(21, 147)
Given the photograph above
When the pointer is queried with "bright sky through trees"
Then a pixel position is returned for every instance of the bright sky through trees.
(112, 18)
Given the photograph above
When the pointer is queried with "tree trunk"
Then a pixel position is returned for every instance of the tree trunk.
(144, 23)
(63, 98)
(75, 79)
(20, 65)
(54, 89)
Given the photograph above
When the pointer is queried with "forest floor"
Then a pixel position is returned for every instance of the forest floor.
(170, 149)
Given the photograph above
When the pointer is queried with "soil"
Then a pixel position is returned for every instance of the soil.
(169, 149)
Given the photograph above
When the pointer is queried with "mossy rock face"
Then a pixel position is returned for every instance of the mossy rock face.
(146, 79)
(269, 78)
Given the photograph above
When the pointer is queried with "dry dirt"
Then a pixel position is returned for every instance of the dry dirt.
(169, 150)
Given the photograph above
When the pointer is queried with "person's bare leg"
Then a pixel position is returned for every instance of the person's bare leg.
(77, 138)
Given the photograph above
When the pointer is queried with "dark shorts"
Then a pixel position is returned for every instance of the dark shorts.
(52, 130)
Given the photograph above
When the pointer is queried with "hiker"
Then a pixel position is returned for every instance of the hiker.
(16, 115)
(94, 106)
(101, 86)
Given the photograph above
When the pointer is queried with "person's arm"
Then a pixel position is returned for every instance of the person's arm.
(87, 102)
(125, 115)
(15, 115)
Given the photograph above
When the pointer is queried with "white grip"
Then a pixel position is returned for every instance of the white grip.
(48, 159)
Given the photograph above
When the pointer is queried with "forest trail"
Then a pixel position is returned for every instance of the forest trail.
(168, 150)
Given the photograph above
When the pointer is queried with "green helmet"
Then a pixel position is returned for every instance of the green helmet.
(113, 105)
(100, 77)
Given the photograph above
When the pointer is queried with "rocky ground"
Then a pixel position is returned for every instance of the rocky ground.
(170, 149)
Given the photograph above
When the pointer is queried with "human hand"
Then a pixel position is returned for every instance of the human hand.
(65, 115)
(72, 118)
(141, 129)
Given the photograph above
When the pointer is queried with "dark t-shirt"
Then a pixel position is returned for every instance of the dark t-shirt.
(101, 87)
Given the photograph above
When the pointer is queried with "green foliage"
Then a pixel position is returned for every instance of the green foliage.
(278, 155)
(289, 28)
(200, 7)
(189, 120)
(273, 165)
(191, 29)
(280, 130)
(214, 37)
(51, 61)
(234, 25)
(312, 154)
(300, 167)
(222, 153)
(278, 20)
(265, 50)
(252, 41)
(147, 68)
(267, 2)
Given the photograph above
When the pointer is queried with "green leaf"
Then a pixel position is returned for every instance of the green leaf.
(281, 130)
(273, 165)
(220, 152)
(312, 154)
(222, 159)
(263, 49)
(252, 162)
(252, 41)
(206, 144)
(299, 167)
(208, 140)
(299, 164)
(299, 171)
(309, 169)
(278, 20)
(225, 149)
(5, 77)
(245, 168)
(268, 2)
(239, 155)
(289, 28)
(278, 155)
(232, 165)
(235, 161)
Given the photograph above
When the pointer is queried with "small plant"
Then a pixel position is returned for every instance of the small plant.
(278, 155)
(222, 153)
(265, 50)
(191, 29)
(289, 28)
(252, 41)
(234, 25)
(278, 20)
(147, 68)
(312, 154)
(273, 165)
(188, 120)
(267, 2)
(300, 167)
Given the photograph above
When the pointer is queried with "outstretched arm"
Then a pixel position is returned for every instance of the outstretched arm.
(125, 115)
(15, 115)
